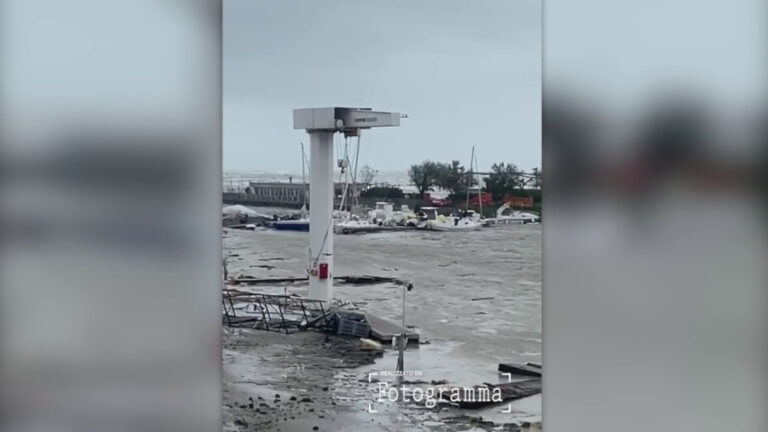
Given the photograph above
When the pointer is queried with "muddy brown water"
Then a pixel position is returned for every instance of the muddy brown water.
(466, 339)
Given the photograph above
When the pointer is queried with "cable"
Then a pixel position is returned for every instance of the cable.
(357, 157)
(327, 231)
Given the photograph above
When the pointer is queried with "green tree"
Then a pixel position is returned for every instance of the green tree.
(504, 178)
(453, 177)
(424, 176)
(367, 174)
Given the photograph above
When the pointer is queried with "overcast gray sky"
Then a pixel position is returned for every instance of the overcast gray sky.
(466, 73)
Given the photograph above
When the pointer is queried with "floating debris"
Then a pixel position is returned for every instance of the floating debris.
(520, 369)
(288, 313)
(354, 280)
(368, 344)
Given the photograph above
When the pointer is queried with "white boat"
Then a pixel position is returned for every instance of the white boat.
(468, 220)
(300, 224)
(353, 225)
(423, 217)
(515, 217)
(454, 224)
(406, 216)
(240, 210)
(382, 213)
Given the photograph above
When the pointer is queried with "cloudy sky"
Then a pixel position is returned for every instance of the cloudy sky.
(466, 73)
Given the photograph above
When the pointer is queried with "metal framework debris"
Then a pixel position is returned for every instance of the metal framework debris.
(288, 313)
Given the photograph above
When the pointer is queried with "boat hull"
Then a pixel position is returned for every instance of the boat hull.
(437, 226)
(515, 221)
(291, 225)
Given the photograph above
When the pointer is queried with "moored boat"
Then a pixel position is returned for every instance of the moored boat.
(454, 224)
(354, 225)
(515, 217)
(291, 225)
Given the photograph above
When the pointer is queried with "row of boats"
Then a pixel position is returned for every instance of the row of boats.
(384, 217)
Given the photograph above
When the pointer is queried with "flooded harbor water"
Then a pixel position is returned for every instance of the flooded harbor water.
(499, 267)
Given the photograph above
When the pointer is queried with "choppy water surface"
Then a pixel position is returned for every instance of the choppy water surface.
(468, 338)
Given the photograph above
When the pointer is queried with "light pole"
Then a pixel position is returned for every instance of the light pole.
(403, 341)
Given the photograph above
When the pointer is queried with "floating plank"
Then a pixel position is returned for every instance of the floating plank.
(520, 369)
(509, 392)
(383, 330)
(373, 229)
(354, 280)
(235, 321)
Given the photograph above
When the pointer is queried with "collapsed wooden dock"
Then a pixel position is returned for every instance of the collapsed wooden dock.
(383, 330)
(509, 392)
(520, 369)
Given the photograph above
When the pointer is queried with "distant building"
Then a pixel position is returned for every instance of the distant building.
(291, 193)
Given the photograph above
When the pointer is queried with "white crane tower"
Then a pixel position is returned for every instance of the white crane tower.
(321, 124)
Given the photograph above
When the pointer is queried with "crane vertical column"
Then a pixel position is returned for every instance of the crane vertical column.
(321, 124)
(321, 211)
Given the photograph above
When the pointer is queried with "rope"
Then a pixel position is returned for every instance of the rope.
(357, 157)
(346, 175)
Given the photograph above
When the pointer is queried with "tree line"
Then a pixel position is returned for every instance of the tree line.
(503, 178)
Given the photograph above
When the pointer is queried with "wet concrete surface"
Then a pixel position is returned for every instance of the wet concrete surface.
(466, 339)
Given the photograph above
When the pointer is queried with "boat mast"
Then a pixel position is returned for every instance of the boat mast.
(303, 175)
(344, 164)
(469, 177)
(479, 193)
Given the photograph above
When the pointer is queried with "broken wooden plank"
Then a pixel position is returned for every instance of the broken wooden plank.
(519, 369)
(260, 281)
(483, 395)
(353, 280)
(367, 279)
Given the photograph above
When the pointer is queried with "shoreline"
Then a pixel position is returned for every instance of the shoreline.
(325, 387)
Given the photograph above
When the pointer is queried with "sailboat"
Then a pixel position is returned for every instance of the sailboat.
(302, 223)
(462, 221)
(347, 222)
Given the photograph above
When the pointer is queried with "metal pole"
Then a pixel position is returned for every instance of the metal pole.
(303, 176)
(401, 344)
